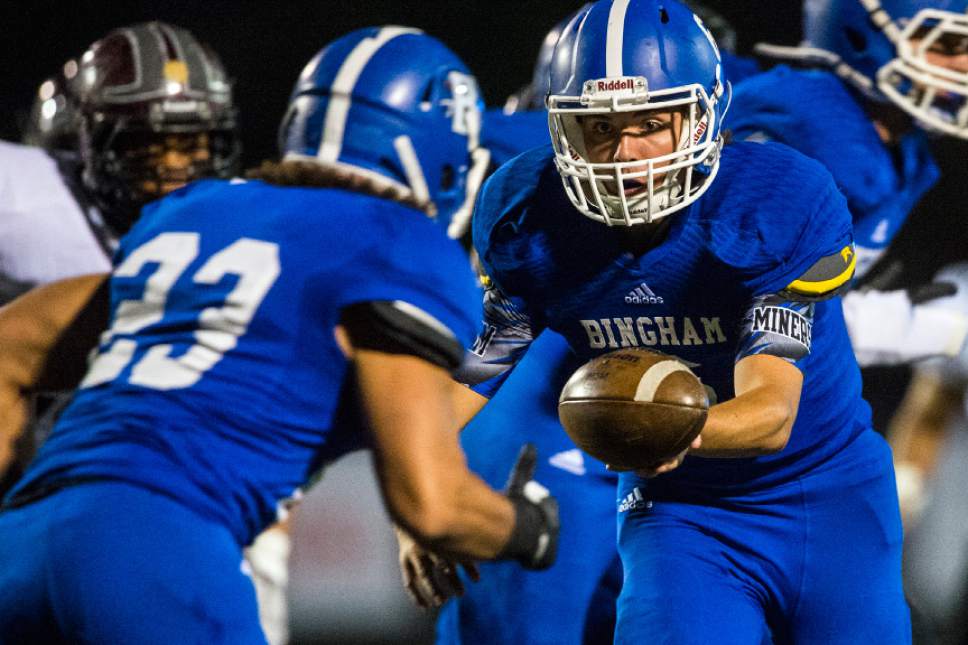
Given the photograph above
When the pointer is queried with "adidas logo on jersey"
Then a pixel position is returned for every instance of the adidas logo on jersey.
(642, 295)
(633, 501)
(571, 461)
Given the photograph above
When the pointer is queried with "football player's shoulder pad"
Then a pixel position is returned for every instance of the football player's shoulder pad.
(772, 213)
(771, 195)
(504, 197)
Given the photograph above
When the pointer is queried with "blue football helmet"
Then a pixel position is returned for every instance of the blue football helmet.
(399, 107)
(626, 56)
(882, 47)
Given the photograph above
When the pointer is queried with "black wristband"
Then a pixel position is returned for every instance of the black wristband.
(523, 544)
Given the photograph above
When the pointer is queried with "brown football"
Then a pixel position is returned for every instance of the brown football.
(633, 407)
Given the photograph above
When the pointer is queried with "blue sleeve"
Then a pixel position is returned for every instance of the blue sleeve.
(802, 225)
(506, 334)
(419, 265)
(777, 326)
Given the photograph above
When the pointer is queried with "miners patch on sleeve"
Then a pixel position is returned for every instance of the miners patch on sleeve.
(827, 277)
(778, 327)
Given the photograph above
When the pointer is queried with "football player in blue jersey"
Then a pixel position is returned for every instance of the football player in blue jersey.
(639, 228)
(503, 605)
(145, 110)
(882, 76)
(256, 331)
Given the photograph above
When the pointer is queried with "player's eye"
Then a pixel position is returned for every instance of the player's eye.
(601, 127)
(954, 44)
(949, 44)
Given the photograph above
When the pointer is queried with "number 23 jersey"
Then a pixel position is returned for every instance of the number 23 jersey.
(220, 382)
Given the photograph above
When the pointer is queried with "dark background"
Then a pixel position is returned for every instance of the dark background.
(265, 44)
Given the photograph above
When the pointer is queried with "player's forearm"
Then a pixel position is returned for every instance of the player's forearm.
(432, 494)
(467, 403)
(46, 334)
(428, 488)
(463, 520)
(755, 423)
(13, 420)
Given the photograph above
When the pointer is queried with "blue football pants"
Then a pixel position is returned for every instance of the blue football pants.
(815, 560)
(108, 562)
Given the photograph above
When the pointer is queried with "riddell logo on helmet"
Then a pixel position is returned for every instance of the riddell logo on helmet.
(623, 86)
(700, 130)
(615, 84)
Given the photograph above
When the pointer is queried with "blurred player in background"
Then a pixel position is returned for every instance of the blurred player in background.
(147, 109)
(688, 253)
(254, 328)
(874, 80)
(929, 435)
(506, 605)
(882, 78)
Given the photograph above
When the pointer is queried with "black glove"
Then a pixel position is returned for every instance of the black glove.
(886, 278)
(534, 540)
(931, 291)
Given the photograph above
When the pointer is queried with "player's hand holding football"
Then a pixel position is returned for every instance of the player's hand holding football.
(666, 466)
(430, 579)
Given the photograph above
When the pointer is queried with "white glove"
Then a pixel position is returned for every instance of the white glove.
(429, 579)
(887, 329)
(268, 559)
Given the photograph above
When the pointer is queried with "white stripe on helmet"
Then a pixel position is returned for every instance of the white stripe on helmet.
(334, 125)
(615, 38)
(411, 166)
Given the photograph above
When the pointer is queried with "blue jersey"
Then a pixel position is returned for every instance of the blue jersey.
(508, 135)
(768, 217)
(816, 113)
(220, 383)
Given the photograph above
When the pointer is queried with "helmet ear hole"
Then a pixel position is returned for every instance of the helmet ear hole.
(856, 39)
(388, 164)
(427, 96)
(448, 177)
(663, 15)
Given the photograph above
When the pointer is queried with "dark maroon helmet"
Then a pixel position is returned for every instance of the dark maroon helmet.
(136, 86)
